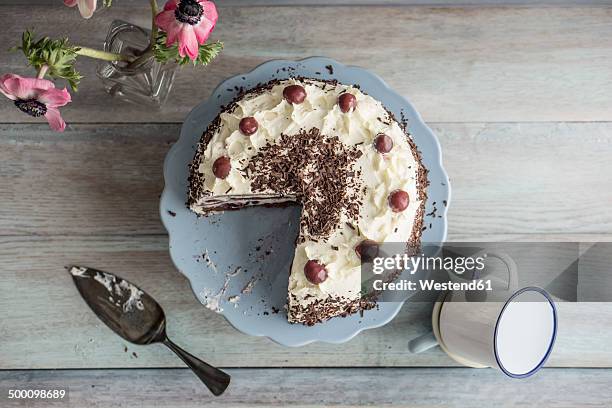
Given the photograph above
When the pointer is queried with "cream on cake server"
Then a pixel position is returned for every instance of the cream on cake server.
(385, 183)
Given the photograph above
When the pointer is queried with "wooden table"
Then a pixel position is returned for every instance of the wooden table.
(521, 101)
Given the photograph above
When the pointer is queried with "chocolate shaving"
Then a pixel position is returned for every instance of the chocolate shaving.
(318, 171)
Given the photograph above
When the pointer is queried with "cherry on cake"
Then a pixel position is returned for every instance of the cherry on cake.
(335, 151)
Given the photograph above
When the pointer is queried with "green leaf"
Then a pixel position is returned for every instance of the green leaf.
(107, 3)
(58, 55)
(206, 53)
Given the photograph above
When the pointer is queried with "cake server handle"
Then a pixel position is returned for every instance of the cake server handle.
(215, 379)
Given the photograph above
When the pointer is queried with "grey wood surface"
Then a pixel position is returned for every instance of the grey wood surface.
(80, 340)
(300, 388)
(519, 98)
(455, 64)
(446, 3)
(506, 178)
(90, 196)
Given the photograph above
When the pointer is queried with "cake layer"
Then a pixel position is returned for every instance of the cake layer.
(206, 205)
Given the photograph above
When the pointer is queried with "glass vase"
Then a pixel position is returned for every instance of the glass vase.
(148, 81)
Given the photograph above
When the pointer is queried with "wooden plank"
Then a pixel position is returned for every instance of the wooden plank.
(415, 387)
(445, 3)
(61, 332)
(454, 64)
(103, 179)
(48, 318)
(93, 181)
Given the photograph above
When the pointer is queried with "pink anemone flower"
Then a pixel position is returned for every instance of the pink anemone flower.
(189, 22)
(36, 97)
(86, 7)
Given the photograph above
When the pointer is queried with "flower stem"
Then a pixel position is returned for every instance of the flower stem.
(102, 55)
(154, 11)
(148, 52)
(42, 71)
(141, 60)
(133, 63)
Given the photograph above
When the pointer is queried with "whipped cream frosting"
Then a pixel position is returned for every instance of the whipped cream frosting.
(380, 174)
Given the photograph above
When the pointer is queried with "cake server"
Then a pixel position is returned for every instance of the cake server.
(138, 318)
